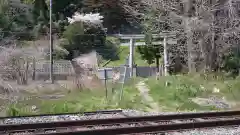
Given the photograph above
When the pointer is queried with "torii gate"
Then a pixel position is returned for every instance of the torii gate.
(132, 43)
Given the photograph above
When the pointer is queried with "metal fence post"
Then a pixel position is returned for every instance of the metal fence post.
(124, 77)
(105, 81)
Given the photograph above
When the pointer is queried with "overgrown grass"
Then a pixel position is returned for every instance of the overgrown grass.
(174, 93)
(81, 101)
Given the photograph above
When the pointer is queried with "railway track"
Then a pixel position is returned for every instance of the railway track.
(128, 125)
(77, 113)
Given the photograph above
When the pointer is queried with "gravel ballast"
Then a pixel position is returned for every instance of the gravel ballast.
(126, 113)
(211, 131)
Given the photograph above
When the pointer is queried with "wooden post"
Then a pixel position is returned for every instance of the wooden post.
(34, 69)
(165, 56)
(131, 51)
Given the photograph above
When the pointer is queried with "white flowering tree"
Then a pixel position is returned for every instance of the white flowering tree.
(84, 34)
(91, 18)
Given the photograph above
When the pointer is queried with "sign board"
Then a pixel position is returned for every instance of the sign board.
(105, 73)
(124, 74)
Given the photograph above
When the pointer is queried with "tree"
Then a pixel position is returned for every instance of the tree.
(151, 53)
(14, 21)
(203, 27)
(65, 8)
(84, 34)
(114, 15)
(40, 11)
(40, 17)
(231, 63)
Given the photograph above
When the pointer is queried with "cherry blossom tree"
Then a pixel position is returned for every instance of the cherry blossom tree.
(91, 18)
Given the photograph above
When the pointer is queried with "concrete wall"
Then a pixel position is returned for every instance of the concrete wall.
(146, 71)
(140, 71)
(56, 77)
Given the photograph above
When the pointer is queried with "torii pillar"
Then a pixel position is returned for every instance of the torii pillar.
(131, 56)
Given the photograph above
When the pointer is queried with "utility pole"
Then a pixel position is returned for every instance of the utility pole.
(51, 44)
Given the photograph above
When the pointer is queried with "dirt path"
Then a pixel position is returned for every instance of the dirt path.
(143, 89)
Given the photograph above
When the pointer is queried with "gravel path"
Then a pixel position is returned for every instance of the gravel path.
(144, 91)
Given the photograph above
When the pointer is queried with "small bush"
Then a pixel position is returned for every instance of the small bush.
(13, 111)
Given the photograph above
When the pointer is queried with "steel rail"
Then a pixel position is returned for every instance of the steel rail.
(152, 128)
(59, 124)
(59, 114)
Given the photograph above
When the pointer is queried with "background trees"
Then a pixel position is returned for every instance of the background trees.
(14, 22)
(207, 31)
(151, 53)
(83, 38)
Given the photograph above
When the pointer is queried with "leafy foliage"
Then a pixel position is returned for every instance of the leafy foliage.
(231, 62)
(14, 22)
(65, 8)
(114, 15)
(84, 38)
(151, 53)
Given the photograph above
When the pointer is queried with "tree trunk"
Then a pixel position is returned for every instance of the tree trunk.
(157, 64)
(158, 68)
(213, 53)
(213, 59)
(26, 67)
(21, 70)
(188, 14)
(17, 71)
(190, 49)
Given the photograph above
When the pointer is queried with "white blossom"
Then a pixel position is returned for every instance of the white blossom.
(88, 18)
(216, 90)
(202, 87)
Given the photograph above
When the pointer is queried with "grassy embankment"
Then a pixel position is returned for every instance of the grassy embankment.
(79, 101)
(176, 96)
(175, 93)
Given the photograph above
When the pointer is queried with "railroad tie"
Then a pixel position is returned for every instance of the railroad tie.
(199, 119)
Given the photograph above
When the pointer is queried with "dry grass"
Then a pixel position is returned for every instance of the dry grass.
(76, 100)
